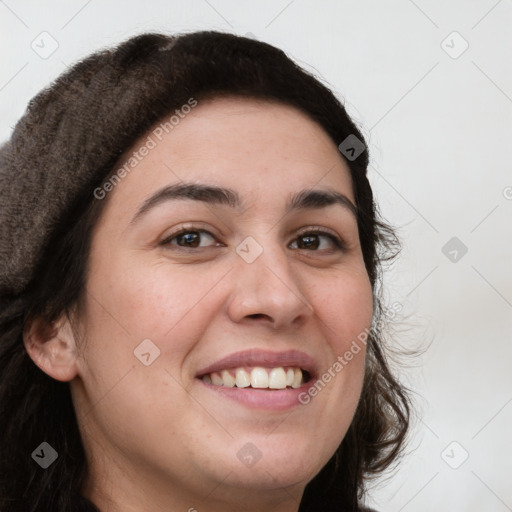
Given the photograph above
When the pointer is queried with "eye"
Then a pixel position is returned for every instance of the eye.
(317, 239)
(191, 239)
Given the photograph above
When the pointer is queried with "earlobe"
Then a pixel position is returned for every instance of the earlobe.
(52, 347)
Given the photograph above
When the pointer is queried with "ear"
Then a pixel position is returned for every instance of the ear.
(52, 347)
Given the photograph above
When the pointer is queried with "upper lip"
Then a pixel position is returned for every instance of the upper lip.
(264, 358)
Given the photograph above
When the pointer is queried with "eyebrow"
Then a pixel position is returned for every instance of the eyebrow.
(303, 200)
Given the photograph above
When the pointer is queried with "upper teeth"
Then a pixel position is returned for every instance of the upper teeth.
(258, 377)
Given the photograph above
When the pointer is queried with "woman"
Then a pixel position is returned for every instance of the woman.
(190, 289)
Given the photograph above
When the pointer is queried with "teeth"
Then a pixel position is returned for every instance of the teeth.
(217, 379)
(258, 377)
(228, 379)
(243, 379)
(277, 379)
(297, 379)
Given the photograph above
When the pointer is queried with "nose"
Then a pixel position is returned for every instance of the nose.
(268, 291)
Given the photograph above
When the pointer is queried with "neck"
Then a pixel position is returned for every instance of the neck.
(134, 498)
(120, 490)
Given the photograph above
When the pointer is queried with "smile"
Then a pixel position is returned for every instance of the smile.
(258, 377)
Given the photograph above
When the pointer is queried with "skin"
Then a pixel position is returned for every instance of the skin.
(155, 436)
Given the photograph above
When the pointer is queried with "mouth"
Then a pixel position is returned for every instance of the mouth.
(259, 377)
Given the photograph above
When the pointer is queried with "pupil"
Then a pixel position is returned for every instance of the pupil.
(190, 239)
(309, 241)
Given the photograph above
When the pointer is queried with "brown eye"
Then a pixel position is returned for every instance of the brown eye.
(318, 240)
(190, 239)
(308, 242)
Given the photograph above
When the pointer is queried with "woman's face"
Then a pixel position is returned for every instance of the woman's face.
(199, 288)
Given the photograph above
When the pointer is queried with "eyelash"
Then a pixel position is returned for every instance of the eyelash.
(339, 244)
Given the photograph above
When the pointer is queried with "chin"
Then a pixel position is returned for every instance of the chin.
(268, 477)
(267, 464)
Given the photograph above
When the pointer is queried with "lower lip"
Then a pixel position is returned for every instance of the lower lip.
(275, 399)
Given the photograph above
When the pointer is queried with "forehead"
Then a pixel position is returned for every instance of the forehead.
(264, 150)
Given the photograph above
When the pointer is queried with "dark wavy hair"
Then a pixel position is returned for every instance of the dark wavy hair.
(91, 115)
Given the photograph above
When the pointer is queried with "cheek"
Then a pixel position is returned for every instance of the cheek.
(345, 307)
(170, 306)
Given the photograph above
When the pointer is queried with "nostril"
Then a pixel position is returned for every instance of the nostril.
(258, 315)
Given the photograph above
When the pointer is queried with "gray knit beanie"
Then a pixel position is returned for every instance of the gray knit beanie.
(64, 145)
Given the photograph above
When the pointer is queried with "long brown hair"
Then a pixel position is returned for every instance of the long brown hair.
(72, 135)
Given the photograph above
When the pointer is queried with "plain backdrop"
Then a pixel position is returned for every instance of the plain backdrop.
(430, 84)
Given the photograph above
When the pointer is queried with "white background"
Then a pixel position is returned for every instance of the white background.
(440, 138)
